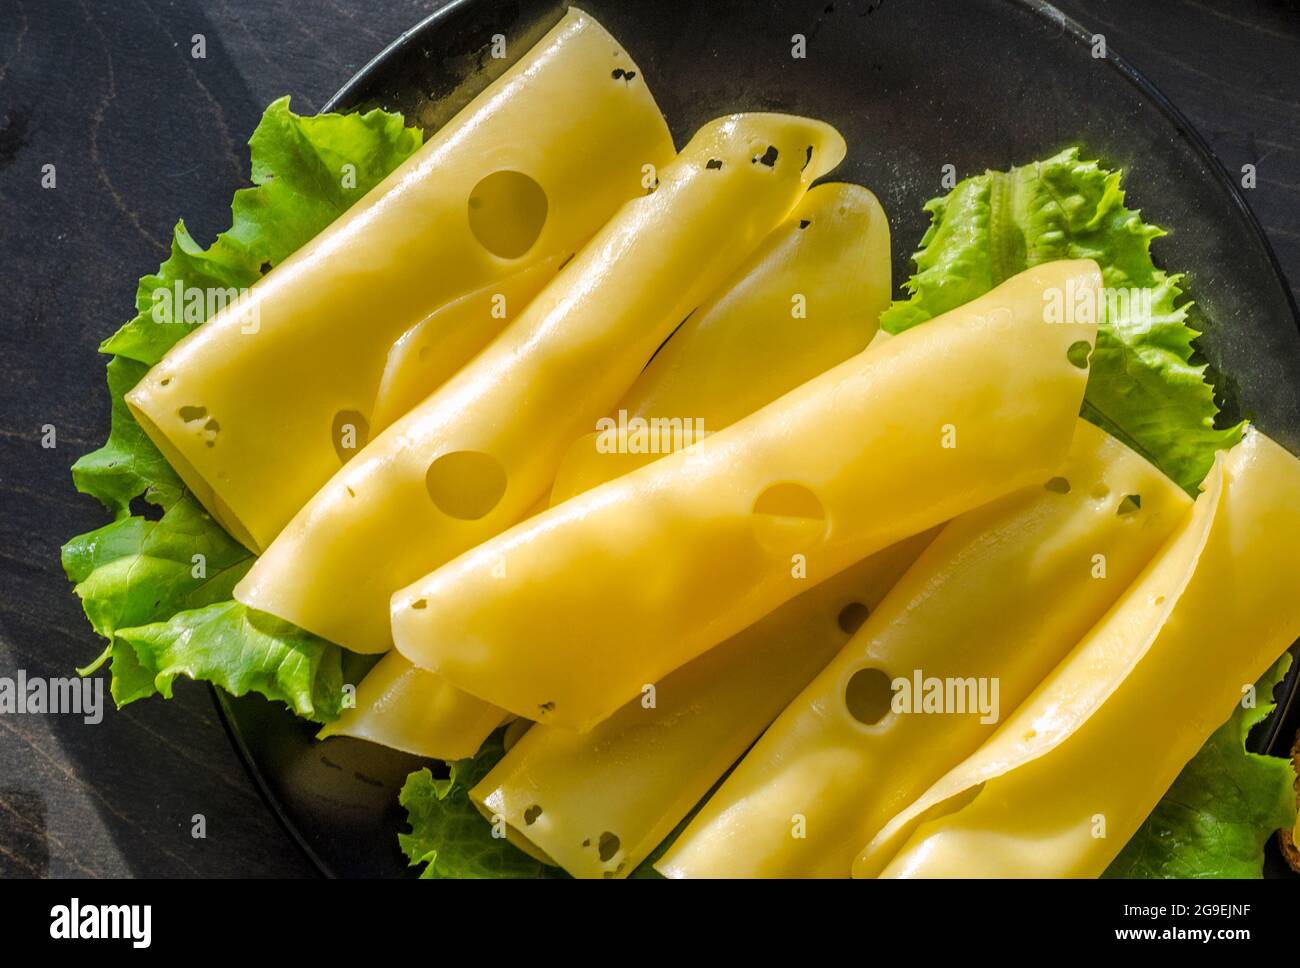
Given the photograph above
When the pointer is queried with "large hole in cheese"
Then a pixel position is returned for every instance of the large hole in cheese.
(867, 696)
(507, 210)
(788, 518)
(466, 484)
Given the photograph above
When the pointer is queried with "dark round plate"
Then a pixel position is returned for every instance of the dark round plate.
(913, 86)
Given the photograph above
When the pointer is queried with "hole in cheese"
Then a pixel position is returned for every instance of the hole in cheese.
(1128, 504)
(607, 846)
(349, 432)
(788, 517)
(507, 210)
(867, 696)
(466, 484)
(1099, 492)
(1058, 485)
(191, 414)
(1078, 353)
(767, 158)
(531, 814)
(851, 617)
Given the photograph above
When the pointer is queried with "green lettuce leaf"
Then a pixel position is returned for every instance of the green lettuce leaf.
(1143, 385)
(298, 173)
(448, 834)
(1217, 817)
(236, 648)
(159, 590)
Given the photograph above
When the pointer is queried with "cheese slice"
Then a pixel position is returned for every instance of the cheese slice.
(475, 455)
(257, 408)
(745, 347)
(996, 600)
(408, 709)
(429, 353)
(568, 615)
(597, 803)
(1066, 781)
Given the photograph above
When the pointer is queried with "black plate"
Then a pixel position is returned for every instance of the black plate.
(913, 86)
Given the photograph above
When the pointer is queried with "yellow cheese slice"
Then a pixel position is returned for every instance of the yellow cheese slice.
(474, 456)
(746, 344)
(429, 353)
(257, 408)
(809, 298)
(597, 803)
(996, 600)
(568, 615)
(408, 709)
(1065, 782)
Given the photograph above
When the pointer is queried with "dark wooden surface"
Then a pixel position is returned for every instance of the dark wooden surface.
(142, 133)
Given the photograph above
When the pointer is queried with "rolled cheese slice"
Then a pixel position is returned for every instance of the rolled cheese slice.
(997, 599)
(568, 615)
(597, 803)
(473, 457)
(257, 408)
(1066, 781)
(746, 346)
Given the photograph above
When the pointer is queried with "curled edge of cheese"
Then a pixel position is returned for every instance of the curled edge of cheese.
(743, 347)
(414, 711)
(247, 407)
(999, 597)
(1068, 779)
(473, 457)
(942, 418)
(430, 352)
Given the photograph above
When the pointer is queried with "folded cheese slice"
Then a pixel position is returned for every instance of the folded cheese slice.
(567, 616)
(997, 599)
(750, 343)
(256, 408)
(1065, 782)
(473, 457)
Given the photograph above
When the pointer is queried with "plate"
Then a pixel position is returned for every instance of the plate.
(913, 86)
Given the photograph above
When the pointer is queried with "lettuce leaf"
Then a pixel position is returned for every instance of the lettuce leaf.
(1217, 817)
(159, 590)
(236, 648)
(1143, 387)
(448, 834)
